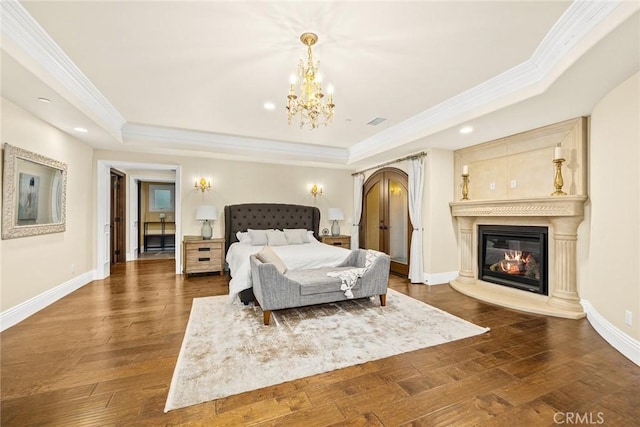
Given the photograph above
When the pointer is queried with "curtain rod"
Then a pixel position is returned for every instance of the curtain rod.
(411, 157)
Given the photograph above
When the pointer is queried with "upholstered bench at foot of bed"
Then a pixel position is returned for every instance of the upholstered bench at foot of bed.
(296, 288)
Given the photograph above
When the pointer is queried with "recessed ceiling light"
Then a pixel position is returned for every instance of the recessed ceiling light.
(45, 100)
(466, 129)
(269, 106)
(79, 129)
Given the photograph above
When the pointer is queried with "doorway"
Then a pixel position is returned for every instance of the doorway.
(145, 171)
(385, 217)
(117, 215)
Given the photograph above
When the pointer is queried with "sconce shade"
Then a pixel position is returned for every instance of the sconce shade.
(335, 214)
(206, 212)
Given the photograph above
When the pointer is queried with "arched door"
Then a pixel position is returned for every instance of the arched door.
(385, 224)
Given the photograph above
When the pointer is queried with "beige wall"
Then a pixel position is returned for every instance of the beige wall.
(34, 265)
(613, 284)
(440, 235)
(235, 182)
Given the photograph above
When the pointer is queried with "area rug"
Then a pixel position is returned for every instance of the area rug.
(227, 349)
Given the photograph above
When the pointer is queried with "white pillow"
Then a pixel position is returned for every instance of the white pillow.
(294, 237)
(276, 238)
(268, 256)
(311, 237)
(258, 237)
(302, 231)
(243, 237)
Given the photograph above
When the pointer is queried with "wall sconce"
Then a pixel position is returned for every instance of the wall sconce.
(202, 185)
(316, 191)
(395, 189)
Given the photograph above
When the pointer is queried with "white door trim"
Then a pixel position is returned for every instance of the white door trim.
(103, 206)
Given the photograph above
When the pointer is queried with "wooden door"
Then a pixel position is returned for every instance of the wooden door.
(385, 224)
(117, 215)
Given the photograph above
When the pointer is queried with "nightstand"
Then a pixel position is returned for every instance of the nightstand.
(344, 241)
(202, 256)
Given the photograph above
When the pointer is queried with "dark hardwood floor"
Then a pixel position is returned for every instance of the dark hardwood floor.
(105, 355)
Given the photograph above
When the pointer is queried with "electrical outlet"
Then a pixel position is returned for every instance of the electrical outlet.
(492, 186)
(628, 318)
(514, 184)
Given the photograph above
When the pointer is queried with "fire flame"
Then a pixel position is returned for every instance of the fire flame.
(513, 255)
(512, 262)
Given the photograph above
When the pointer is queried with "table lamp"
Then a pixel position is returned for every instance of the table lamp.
(206, 213)
(335, 215)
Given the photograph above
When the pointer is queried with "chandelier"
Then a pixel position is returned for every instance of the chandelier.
(310, 107)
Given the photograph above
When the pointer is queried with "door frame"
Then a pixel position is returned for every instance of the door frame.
(380, 175)
(103, 206)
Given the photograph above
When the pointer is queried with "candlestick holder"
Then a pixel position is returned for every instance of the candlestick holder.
(465, 186)
(558, 181)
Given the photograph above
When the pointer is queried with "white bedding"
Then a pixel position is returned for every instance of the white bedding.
(295, 257)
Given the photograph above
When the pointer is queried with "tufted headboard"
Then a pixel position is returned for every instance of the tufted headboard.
(260, 216)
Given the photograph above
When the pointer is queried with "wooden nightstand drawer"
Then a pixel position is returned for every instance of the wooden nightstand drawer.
(344, 241)
(203, 256)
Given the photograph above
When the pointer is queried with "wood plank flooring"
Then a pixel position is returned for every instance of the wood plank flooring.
(105, 355)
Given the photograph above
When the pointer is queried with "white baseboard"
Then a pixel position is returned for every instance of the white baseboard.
(439, 278)
(622, 342)
(23, 310)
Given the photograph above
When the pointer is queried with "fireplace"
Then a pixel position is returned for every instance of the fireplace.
(514, 256)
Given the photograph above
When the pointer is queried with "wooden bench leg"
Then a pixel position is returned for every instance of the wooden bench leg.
(383, 300)
(267, 316)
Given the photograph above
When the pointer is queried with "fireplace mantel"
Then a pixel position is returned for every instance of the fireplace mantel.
(535, 206)
(561, 214)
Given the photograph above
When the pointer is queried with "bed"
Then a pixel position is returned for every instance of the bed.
(265, 216)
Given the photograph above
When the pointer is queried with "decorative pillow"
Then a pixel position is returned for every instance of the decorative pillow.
(276, 238)
(258, 237)
(302, 231)
(243, 237)
(268, 256)
(311, 237)
(294, 237)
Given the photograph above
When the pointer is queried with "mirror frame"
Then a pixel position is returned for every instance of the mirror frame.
(10, 228)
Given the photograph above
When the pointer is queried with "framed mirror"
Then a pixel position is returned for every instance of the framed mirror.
(33, 194)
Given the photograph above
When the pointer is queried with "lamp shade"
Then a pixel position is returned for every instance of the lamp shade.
(206, 212)
(336, 214)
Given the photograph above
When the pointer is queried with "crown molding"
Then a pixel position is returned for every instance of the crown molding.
(557, 51)
(564, 43)
(230, 144)
(20, 27)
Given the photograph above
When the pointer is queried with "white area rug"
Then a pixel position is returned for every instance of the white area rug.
(227, 349)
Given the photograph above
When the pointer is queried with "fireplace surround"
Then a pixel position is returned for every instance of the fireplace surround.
(561, 215)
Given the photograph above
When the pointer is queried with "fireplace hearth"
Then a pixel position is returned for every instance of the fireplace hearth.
(514, 256)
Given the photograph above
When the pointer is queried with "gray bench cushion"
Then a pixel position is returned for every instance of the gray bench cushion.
(315, 281)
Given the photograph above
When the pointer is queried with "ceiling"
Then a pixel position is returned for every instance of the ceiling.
(191, 78)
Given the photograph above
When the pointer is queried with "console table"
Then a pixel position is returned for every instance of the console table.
(159, 235)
